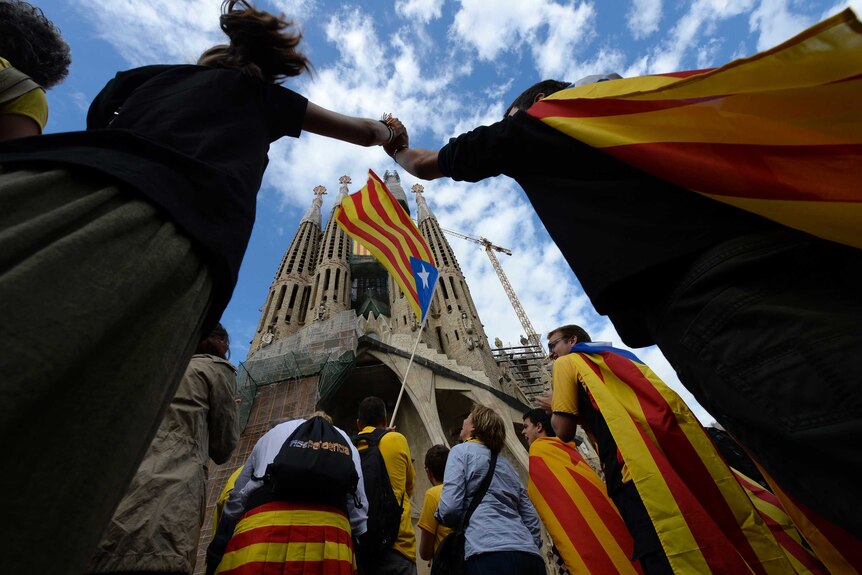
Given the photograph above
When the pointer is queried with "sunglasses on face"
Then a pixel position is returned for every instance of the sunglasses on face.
(551, 344)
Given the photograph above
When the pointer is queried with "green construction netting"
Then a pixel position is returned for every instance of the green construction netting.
(254, 374)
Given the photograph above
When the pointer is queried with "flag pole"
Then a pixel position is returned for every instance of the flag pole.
(412, 355)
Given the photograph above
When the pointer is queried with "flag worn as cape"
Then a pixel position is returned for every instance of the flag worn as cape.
(778, 134)
(704, 520)
(373, 217)
(573, 504)
(839, 551)
(803, 560)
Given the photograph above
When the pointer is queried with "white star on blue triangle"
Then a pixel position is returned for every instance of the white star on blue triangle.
(425, 276)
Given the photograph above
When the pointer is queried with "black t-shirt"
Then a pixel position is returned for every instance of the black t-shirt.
(626, 234)
(192, 139)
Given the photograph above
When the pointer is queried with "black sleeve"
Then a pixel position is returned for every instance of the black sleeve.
(287, 108)
(481, 153)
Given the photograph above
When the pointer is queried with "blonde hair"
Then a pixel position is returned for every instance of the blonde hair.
(488, 427)
(320, 413)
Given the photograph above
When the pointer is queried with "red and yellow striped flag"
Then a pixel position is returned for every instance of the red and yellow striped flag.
(704, 520)
(778, 134)
(773, 514)
(839, 551)
(573, 504)
(373, 217)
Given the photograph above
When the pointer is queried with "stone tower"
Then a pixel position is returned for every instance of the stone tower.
(335, 328)
(285, 310)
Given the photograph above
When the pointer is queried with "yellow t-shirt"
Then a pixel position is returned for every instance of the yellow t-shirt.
(33, 104)
(427, 521)
(566, 380)
(396, 455)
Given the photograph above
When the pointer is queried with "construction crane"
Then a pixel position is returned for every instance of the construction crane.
(490, 248)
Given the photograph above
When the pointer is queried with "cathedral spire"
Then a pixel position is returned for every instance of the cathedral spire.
(423, 212)
(393, 182)
(285, 308)
(342, 190)
(313, 213)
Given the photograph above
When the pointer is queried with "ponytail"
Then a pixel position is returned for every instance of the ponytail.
(262, 45)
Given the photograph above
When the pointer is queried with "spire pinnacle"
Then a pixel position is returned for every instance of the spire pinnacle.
(342, 190)
(313, 213)
(422, 209)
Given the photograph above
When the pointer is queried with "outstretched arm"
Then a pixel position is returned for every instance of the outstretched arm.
(418, 162)
(360, 131)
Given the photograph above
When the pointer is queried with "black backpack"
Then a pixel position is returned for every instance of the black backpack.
(384, 511)
(315, 464)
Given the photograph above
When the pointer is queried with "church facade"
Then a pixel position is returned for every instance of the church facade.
(335, 328)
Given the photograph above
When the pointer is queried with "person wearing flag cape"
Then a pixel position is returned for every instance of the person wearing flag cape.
(714, 213)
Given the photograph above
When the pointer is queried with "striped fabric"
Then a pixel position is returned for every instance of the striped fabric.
(704, 519)
(572, 502)
(281, 538)
(839, 551)
(374, 218)
(778, 134)
(360, 250)
(773, 514)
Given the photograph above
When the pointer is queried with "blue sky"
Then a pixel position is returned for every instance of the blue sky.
(443, 67)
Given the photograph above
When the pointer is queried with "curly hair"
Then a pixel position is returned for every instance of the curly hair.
(262, 45)
(31, 43)
(488, 427)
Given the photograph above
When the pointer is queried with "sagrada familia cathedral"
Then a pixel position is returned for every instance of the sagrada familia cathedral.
(335, 328)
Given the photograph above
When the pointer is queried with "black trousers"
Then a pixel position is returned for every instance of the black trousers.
(766, 332)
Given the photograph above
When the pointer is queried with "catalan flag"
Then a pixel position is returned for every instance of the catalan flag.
(786, 534)
(704, 520)
(778, 134)
(839, 551)
(572, 503)
(288, 537)
(374, 218)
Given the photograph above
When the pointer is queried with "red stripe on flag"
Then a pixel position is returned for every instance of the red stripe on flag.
(582, 537)
(410, 229)
(324, 567)
(396, 258)
(713, 543)
(288, 506)
(405, 230)
(820, 172)
(289, 534)
(593, 108)
(687, 462)
(685, 73)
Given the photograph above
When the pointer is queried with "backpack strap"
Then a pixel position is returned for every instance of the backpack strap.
(480, 493)
(14, 83)
(370, 437)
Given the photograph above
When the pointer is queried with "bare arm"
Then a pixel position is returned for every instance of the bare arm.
(420, 163)
(426, 544)
(360, 131)
(17, 126)
(565, 426)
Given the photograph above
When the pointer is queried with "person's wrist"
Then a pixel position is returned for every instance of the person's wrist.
(391, 135)
(398, 149)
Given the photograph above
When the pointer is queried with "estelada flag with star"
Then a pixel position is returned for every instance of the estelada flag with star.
(374, 218)
(778, 134)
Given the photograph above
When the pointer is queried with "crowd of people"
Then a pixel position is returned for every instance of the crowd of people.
(146, 215)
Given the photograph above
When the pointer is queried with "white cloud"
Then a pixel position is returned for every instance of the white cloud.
(856, 5)
(644, 17)
(776, 23)
(156, 31)
(554, 31)
(695, 29)
(421, 10)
